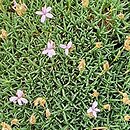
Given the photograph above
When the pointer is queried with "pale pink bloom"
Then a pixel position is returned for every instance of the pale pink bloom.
(45, 13)
(93, 109)
(49, 50)
(15, 3)
(66, 47)
(19, 98)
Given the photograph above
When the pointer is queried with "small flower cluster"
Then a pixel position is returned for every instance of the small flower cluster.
(50, 49)
(93, 110)
(21, 100)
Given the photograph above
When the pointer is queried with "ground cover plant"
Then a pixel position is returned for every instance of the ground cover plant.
(65, 65)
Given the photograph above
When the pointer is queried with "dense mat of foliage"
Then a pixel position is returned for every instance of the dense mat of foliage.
(67, 90)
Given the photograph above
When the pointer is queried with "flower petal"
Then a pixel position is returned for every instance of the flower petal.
(94, 104)
(63, 46)
(43, 18)
(49, 15)
(25, 101)
(19, 93)
(97, 110)
(89, 110)
(15, 3)
(13, 99)
(45, 51)
(69, 45)
(20, 102)
(50, 45)
(66, 51)
(44, 8)
(48, 9)
(51, 52)
(39, 12)
(94, 114)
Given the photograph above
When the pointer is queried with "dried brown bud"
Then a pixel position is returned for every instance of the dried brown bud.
(95, 93)
(37, 101)
(85, 3)
(42, 102)
(106, 66)
(82, 65)
(32, 119)
(20, 8)
(3, 34)
(5, 126)
(127, 118)
(98, 45)
(127, 44)
(48, 114)
(125, 101)
(14, 122)
(90, 115)
(125, 98)
(121, 16)
(107, 107)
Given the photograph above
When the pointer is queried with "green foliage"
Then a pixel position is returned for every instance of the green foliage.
(1, 6)
(22, 66)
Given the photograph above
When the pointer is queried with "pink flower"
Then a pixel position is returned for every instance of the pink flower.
(44, 13)
(15, 3)
(18, 98)
(93, 110)
(49, 50)
(66, 47)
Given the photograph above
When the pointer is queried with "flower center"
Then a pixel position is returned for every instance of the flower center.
(44, 11)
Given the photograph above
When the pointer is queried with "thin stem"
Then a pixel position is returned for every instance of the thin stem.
(69, 4)
(100, 74)
(118, 54)
(20, 1)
